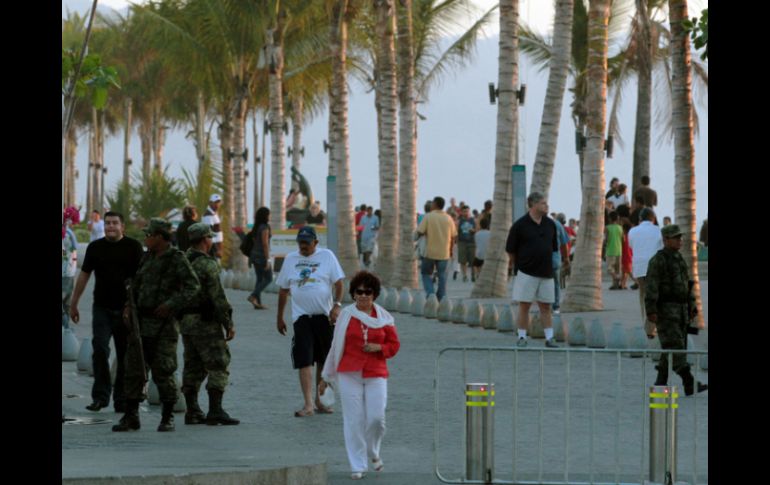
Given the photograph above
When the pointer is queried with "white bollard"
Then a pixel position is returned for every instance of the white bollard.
(618, 338)
(236, 281)
(536, 325)
(654, 344)
(445, 310)
(405, 301)
(558, 328)
(489, 317)
(418, 303)
(637, 340)
(691, 346)
(576, 336)
(430, 310)
(596, 338)
(458, 312)
(69, 346)
(228, 282)
(85, 363)
(153, 396)
(505, 321)
(473, 313)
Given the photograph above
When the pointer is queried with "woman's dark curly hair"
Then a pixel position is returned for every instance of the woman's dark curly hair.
(365, 279)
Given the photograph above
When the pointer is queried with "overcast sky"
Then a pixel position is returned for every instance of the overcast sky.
(456, 141)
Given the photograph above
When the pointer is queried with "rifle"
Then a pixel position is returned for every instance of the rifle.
(134, 333)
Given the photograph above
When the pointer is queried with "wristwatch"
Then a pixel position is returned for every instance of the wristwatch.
(338, 303)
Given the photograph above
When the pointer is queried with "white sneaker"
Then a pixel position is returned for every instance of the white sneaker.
(357, 475)
(377, 464)
(522, 342)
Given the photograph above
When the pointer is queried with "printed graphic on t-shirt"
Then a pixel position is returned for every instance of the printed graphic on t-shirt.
(305, 269)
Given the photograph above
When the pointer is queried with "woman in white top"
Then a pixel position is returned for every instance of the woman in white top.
(621, 198)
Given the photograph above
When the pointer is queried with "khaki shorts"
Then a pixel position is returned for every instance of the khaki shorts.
(613, 265)
(466, 251)
(528, 288)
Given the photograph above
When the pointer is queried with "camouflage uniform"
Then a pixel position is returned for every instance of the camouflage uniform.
(168, 279)
(205, 349)
(669, 297)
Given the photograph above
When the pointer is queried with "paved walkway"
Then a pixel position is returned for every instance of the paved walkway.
(264, 392)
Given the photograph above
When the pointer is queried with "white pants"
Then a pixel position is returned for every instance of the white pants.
(363, 417)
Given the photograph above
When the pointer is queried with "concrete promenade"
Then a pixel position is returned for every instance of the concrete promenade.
(264, 393)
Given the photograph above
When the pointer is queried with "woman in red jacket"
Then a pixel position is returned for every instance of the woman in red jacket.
(364, 337)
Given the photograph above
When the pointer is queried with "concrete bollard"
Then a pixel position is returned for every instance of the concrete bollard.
(536, 325)
(153, 396)
(69, 346)
(272, 288)
(384, 295)
(392, 300)
(418, 303)
(558, 328)
(85, 363)
(618, 338)
(430, 310)
(246, 283)
(458, 312)
(113, 368)
(235, 283)
(596, 338)
(473, 313)
(489, 317)
(576, 336)
(445, 310)
(181, 405)
(347, 299)
(405, 301)
(505, 320)
(637, 340)
(222, 275)
(654, 344)
(229, 278)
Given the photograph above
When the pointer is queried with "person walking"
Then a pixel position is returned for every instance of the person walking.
(670, 304)
(364, 338)
(440, 232)
(259, 256)
(645, 241)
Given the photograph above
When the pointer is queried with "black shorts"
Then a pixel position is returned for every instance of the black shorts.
(478, 263)
(312, 340)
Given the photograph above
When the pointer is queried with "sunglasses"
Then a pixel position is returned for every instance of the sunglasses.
(367, 292)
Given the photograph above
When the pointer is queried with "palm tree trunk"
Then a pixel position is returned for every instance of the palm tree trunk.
(69, 165)
(102, 167)
(157, 138)
(201, 147)
(554, 97)
(644, 97)
(406, 267)
(225, 143)
(145, 140)
(274, 52)
(387, 104)
(238, 260)
(90, 171)
(296, 124)
(493, 279)
(684, 147)
(126, 142)
(585, 290)
(340, 149)
(255, 133)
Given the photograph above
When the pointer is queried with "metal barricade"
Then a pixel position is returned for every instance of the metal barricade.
(520, 398)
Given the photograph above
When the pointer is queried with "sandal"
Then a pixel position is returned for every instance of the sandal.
(253, 301)
(323, 409)
(378, 464)
(303, 413)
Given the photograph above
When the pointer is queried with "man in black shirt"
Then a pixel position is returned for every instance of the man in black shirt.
(530, 246)
(114, 258)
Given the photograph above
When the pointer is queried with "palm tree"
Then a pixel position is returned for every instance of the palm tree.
(493, 280)
(684, 150)
(585, 290)
(339, 156)
(542, 171)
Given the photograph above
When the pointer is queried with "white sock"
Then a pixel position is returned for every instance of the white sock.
(548, 333)
(522, 333)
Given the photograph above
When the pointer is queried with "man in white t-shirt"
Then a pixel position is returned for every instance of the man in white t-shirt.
(310, 274)
(211, 218)
(645, 241)
(96, 226)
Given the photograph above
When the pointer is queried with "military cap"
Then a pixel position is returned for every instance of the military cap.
(306, 234)
(157, 224)
(199, 230)
(672, 230)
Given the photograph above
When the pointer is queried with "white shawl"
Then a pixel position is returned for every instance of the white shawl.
(329, 373)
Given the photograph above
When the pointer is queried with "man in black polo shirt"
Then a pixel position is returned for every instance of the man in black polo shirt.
(114, 258)
(530, 246)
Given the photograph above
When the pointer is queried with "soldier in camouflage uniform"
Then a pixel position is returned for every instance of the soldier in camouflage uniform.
(670, 304)
(163, 287)
(205, 347)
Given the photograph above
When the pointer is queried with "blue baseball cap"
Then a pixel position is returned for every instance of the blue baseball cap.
(306, 234)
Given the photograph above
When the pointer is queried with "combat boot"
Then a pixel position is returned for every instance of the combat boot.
(217, 415)
(130, 420)
(167, 418)
(194, 414)
(662, 379)
(689, 383)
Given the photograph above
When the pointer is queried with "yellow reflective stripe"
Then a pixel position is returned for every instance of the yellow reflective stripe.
(663, 394)
(663, 406)
(478, 393)
(478, 403)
